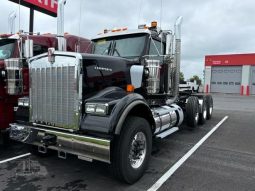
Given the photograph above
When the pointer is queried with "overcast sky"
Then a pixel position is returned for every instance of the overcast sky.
(209, 27)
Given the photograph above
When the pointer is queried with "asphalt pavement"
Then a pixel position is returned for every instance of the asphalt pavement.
(225, 161)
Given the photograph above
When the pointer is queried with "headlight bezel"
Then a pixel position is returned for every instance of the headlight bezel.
(24, 102)
(97, 108)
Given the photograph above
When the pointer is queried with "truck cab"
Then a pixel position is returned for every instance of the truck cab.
(108, 106)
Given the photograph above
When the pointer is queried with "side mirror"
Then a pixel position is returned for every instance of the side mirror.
(136, 74)
(28, 50)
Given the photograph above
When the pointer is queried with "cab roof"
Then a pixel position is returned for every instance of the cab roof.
(124, 32)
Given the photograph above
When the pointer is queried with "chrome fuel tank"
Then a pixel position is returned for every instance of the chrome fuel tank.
(167, 116)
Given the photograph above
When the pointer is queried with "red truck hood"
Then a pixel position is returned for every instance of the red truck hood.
(1, 64)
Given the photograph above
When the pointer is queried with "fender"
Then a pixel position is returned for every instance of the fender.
(135, 105)
(121, 106)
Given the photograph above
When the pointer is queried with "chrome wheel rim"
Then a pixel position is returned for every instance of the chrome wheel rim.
(197, 117)
(210, 110)
(137, 151)
(204, 113)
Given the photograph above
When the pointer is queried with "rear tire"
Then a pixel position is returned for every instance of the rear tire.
(5, 138)
(209, 105)
(192, 112)
(132, 150)
(203, 114)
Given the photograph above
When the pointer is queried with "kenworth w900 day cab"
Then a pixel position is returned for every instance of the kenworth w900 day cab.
(108, 106)
(14, 73)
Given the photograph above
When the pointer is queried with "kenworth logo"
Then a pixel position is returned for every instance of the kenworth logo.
(103, 69)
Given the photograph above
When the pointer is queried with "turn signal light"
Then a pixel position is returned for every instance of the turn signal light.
(130, 88)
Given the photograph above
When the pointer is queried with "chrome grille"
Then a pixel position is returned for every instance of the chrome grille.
(54, 96)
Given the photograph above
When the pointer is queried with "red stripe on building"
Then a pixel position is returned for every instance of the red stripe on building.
(247, 90)
(207, 88)
(242, 88)
(230, 60)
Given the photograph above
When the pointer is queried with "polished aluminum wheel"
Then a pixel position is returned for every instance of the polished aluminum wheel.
(204, 114)
(138, 150)
(210, 110)
(197, 117)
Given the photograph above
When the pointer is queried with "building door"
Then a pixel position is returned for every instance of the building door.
(253, 80)
(226, 79)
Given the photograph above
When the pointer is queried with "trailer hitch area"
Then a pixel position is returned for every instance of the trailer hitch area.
(42, 149)
(62, 154)
(49, 140)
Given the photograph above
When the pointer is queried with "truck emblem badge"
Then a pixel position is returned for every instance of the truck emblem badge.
(103, 69)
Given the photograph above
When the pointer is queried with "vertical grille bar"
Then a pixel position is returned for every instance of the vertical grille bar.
(41, 92)
(45, 94)
(61, 97)
(37, 85)
(56, 88)
(68, 81)
(51, 93)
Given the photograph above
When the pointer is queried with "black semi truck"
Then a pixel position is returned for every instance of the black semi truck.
(110, 105)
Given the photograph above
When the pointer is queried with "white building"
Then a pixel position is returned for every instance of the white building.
(234, 73)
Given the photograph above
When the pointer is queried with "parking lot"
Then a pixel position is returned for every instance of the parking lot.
(225, 161)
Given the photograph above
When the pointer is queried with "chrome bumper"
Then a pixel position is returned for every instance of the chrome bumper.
(84, 147)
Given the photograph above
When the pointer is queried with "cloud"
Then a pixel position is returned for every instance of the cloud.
(209, 27)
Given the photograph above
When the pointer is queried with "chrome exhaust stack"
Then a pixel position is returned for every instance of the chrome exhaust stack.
(11, 22)
(60, 26)
(176, 63)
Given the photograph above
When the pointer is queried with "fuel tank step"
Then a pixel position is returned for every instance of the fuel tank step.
(167, 132)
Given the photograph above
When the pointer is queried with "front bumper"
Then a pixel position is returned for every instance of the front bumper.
(84, 147)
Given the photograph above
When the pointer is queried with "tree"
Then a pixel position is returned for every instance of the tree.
(182, 78)
(196, 77)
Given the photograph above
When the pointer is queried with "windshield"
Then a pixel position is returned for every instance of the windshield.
(6, 48)
(122, 46)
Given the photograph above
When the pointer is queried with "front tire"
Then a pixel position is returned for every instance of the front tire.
(132, 150)
(5, 139)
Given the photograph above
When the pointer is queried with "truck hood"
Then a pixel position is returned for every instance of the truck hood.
(2, 64)
(104, 71)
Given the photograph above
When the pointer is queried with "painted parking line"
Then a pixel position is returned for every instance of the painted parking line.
(14, 158)
(180, 162)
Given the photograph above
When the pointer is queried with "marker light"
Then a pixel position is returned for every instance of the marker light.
(130, 88)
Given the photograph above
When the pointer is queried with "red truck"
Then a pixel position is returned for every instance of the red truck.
(14, 74)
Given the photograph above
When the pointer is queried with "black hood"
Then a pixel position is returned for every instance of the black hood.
(104, 71)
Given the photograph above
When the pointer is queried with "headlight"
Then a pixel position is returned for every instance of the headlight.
(96, 108)
(20, 103)
(23, 101)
